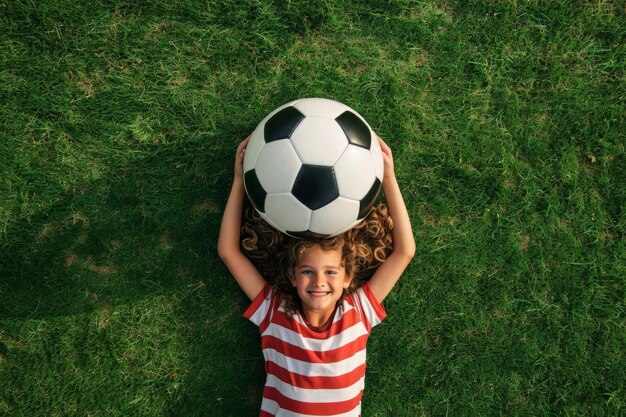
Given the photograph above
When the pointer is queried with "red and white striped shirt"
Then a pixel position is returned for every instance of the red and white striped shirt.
(313, 373)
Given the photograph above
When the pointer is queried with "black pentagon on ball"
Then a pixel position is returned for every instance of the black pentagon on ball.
(355, 129)
(315, 186)
(255, 190)
(282, 124)
(368, 201)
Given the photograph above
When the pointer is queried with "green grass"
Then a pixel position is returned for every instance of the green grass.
(119, 125)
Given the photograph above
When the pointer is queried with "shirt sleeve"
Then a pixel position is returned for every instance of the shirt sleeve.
(260, 309)
(371, 310)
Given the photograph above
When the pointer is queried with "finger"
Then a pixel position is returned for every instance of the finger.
(244, 143)
(384, 147)
(382, 143)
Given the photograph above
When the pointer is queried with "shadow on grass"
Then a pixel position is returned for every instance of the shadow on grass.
(113, 241)
(138, 245)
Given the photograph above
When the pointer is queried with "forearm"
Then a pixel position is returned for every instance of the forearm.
(231, 221)
(389, 272)
(403, 239)
(244, 272)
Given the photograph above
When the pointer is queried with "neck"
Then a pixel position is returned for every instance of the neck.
(317, 318)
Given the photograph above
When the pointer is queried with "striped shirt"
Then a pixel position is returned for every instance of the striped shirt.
(313, 373)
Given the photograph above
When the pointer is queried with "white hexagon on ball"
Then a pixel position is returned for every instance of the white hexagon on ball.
(319, 141)
(287, 212)
(277, 166)
(321, 107)
(334, 216)
(355, 172)
(350, 226)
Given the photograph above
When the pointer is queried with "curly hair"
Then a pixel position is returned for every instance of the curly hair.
(275, 255)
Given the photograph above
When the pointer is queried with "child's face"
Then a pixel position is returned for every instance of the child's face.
(320, 278)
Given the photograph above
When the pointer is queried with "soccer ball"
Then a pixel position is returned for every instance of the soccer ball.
(313, 168)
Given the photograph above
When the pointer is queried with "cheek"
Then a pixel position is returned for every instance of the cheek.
(299, 282)
(340, 282)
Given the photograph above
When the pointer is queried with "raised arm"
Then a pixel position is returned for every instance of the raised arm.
(390, 271)
(244, 272)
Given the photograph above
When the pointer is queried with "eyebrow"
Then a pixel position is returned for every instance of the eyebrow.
(324, 267)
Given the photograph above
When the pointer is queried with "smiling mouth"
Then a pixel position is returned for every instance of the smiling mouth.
(318, 293)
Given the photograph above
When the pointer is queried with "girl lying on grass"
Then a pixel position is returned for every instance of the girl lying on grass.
(315, 302)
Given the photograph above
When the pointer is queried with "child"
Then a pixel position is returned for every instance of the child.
(314, 321)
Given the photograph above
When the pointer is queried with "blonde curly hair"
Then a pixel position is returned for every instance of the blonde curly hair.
(275, 255)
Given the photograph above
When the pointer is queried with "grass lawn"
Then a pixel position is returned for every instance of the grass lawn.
(119, 124)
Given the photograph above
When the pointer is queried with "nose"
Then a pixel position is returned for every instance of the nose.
(319, 280)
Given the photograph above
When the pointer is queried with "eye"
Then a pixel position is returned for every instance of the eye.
(307, 272)
(331, 272)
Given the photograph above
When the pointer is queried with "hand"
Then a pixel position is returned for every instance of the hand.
(387, 160)
(241, 151)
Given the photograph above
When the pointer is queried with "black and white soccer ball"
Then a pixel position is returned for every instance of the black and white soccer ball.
(313, 168)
